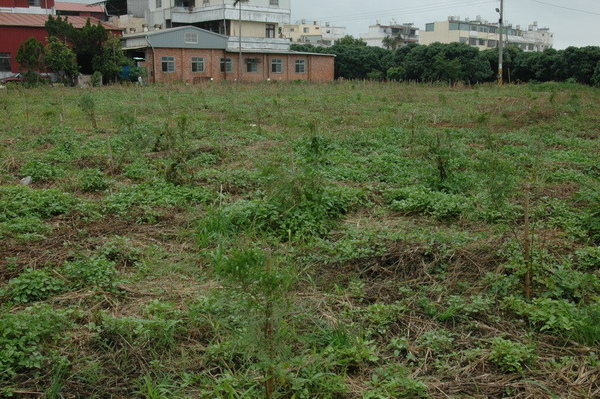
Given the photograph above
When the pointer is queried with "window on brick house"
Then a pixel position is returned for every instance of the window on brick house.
(197, 64)
(277, 65)
(226, 65)
(168, 64)
(5, 62)
(252, 65)
(300, 66)
(35, 3)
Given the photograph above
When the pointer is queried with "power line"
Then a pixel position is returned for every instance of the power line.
(406, 10)
(566, 8)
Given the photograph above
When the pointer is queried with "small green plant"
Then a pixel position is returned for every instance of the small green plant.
(32, 285)
(155, 335)
(97, 79)
(262, 287)
(510, 355)
(93, 180)
(88, 105)
(121, 250)
(91, 272)
(394, 381)
(438, 341)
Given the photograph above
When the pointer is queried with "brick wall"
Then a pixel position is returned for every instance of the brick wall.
(283, 67)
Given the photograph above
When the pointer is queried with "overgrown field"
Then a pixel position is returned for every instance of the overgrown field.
(350, 240)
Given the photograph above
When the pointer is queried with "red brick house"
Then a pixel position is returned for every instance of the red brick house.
(190, 54)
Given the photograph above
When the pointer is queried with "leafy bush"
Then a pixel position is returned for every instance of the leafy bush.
(155, 194)
(143, 334)
(24, 338)
(510, 355)
(393, 381)
(32, 285)
(295, 205)
(121, 250)
(91, 272)
(92, 180)
(18, 201)
(24, 228)
(561, 317)
(39, 170)
(424, 201)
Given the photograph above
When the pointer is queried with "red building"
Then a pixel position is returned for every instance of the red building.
(27, 6)
(15, 28)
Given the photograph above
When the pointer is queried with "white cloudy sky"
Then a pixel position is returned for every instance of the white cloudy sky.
(573, 22)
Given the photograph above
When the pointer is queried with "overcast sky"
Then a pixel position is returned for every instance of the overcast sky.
(573, 22)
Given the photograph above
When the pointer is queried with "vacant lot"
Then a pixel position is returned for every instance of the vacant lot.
(352, 240)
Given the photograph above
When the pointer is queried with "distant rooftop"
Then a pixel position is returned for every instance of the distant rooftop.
(39, 21)
(78, 7)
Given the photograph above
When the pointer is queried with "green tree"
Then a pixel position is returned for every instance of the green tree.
(30, 55)
(61, 59)
(392, 42)
(111, 59)
(61, 28)
(596, 75)
(349, 40)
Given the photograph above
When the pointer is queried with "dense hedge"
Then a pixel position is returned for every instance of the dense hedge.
(459, 62)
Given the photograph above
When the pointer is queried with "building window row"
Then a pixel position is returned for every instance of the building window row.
(198, 64)
(473, 41)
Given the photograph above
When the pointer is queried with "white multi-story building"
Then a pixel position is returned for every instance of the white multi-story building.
(484, 35)
(260, 27)
(392, 35)
(314, 33)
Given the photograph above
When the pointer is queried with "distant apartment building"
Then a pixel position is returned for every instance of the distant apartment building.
(313, 33)
(391, 36)
(260, 27)
(484, 35)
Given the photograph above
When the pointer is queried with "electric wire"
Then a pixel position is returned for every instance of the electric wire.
(566, 8)
(405, 11)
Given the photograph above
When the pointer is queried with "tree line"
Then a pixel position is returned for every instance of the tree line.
(459, 62)
(70, 51)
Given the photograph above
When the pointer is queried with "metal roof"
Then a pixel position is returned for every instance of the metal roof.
(39, 21)
(79, 7)
(175, 38)
(157, 32)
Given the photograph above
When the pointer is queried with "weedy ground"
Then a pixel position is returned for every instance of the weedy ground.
(347, 240)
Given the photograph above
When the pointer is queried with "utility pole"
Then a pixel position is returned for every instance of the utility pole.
(501, 42)
(239, 3)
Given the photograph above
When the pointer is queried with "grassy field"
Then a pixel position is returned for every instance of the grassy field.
(348, 240)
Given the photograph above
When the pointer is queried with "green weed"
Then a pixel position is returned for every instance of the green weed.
(32, 285)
